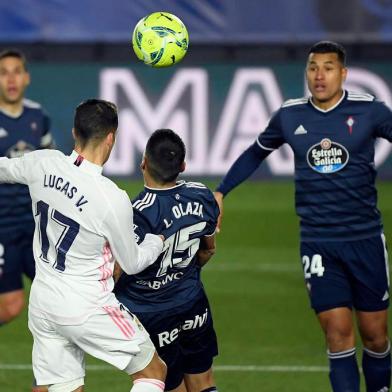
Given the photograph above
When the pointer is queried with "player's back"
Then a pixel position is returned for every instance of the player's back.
(184, 214)
(72, 203)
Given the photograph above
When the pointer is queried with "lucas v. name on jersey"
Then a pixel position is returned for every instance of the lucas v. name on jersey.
(65, 187)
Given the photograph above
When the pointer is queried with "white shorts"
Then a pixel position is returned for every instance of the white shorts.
(112, 335)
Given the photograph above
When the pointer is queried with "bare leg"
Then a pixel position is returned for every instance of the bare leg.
(199, 382)
(338, 327)
(376, 358)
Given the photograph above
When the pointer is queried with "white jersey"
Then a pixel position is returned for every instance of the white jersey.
(83, 223)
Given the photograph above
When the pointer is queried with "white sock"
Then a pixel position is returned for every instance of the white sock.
(148, 385)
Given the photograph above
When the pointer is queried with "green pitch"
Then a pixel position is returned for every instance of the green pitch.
(269, 338)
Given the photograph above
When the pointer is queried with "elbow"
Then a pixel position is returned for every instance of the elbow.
(211, 252)
(203, 256)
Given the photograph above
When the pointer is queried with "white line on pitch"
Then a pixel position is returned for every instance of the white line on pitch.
(218, 368)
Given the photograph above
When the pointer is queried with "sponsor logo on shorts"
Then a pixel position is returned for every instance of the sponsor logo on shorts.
(327, 157)
(167, 337)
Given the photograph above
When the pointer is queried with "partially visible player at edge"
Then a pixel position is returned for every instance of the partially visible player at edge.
(168, 297)
(332, 135)
(24, 127)
(84, 223)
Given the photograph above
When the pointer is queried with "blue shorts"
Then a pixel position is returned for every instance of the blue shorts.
(185, 340)
(16, 258)
(347, 274)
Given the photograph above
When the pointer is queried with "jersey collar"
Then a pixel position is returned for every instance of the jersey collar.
(331, 108)
(84, 164)
(8, 114)
(170, 190)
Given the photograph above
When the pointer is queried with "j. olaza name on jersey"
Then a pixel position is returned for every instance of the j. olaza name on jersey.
(191, 208)
(60, 184)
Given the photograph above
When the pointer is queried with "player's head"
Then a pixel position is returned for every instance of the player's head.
(14, 77)
(95, 125)
(164, 156)
(326, 71)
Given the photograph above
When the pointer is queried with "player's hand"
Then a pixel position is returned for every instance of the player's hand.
(162, 237)
(117, 272)
(219, 199)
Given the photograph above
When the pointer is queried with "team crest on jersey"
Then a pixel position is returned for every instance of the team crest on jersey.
(327, 157)
(350, 123)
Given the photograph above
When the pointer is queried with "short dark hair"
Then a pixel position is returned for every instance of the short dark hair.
(14, 53)
(330, 47)
(165, 153)
(94, 120)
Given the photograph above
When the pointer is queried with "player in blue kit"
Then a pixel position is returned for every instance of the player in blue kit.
(24, 127)
(168, 296)
(332, 135)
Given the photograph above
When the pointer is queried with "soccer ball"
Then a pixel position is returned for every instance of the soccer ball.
(160, 39)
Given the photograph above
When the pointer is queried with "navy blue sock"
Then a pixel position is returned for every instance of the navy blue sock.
(377, 370)
(344, 373)
(210, 389)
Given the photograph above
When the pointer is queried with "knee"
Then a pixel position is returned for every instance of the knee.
(377, 343)
(340, 338)
(11, 309)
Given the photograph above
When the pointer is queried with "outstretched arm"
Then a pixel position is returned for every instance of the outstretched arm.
(241, 169)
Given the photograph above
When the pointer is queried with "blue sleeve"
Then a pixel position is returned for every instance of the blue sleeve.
(211, 212)
(251, 158)
(243, 167)
(272, 138)
(383, 118)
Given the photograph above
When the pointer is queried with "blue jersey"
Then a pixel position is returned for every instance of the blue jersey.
(335, 174)
(183, 214)
(20, 134)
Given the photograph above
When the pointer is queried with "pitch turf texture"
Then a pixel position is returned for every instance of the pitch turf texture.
(269, 338)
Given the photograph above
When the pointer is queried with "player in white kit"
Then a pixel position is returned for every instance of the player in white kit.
(83, 224)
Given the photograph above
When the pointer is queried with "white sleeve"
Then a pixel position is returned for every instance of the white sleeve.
(13, 170)
(118, 227)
